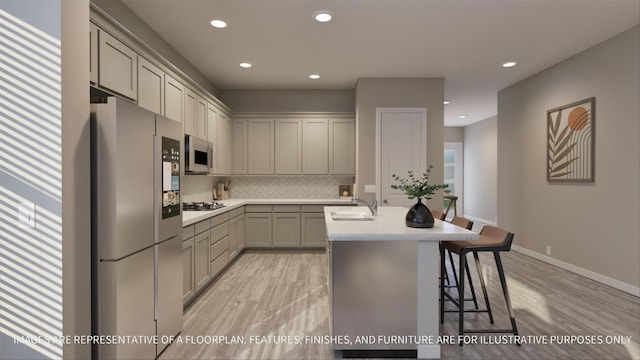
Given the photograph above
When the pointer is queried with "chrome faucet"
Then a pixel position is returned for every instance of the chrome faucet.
(373, 207)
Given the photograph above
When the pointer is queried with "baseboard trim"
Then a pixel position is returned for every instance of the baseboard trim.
(622, 286)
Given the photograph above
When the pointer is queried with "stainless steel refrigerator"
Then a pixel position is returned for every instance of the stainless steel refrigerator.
(136, 230)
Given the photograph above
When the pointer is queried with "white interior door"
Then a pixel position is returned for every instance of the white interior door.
(401, 146)
(453, 173)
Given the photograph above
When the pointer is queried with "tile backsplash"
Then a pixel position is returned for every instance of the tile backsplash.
(199, 187)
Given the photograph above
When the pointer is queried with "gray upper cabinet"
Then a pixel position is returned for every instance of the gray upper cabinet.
(201, 118)
(173, 98)
(189, 112)
(260, 146)
(239, 146)
(288, 146)
(315, 146)
(150, 86)
(212, 134)
(117, 66)
(225, 136)
(342, 149)
(93, 53)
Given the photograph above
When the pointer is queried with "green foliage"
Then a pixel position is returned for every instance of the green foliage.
(417, 187)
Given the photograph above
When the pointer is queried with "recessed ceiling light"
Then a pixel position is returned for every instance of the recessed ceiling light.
(447, 102)
(245, 65)
(508, 64)
(323, 16)
(218, 24)
(314, 76)
(462, 116)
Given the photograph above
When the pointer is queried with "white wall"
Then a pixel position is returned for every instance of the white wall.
(481, 171)
(592, 226)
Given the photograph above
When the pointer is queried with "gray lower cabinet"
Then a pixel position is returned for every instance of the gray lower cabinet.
(188, 278)
(313, 231)
(286, 226)
(201, 268)
(241, 231)
(258, 226)
(258, 229)
(233, 237)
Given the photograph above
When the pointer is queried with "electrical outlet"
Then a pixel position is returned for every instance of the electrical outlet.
(548, 250)
(370, 189)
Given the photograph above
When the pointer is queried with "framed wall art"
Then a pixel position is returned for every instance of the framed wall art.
(570, 142)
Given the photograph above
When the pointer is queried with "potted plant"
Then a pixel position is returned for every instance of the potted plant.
(419, 215)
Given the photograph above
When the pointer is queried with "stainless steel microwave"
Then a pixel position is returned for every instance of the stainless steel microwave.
(198, 155)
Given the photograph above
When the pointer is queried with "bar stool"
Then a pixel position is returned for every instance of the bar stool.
(466, 224)
(492, 239)
(437, 214)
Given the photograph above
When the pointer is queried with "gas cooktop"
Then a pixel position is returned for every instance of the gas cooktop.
(201, 206)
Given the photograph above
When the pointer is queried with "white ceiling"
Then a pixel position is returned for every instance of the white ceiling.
(464, 42)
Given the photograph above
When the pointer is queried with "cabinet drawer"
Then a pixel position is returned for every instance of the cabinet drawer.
(202, 226)
(219, 232)
(218, 264)
(233, 213)
(241, 210)
(312, 208)
(219, 247)
(188, 232)
(258, 208)
(219, 219)
(286, 208)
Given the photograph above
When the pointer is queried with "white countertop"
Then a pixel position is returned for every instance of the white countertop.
(389, 224)
(192, 217)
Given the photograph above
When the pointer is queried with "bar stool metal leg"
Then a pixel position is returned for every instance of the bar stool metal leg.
(484, 287)
(505, 291)
(462, 258)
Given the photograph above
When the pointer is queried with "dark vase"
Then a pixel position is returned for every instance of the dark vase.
(419, 216)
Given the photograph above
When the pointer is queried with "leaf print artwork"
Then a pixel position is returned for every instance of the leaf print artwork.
(570, 142)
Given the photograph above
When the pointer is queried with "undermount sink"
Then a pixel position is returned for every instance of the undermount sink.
(350, 216)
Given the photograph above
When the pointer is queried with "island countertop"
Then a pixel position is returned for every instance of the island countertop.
(389, 224)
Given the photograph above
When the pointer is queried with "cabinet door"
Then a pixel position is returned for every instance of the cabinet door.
(188, 267)
(190, 100)
(315, 142)
(201, 268)
(93, 53)
(286, 229)
(241, 232)
(212, 135)
(224, 144)
(150, 86)
(288, 146)
(342, 149)
(260, 143)
(239, 146)
(258, 230)
(173, 98)
(233, 237)
(117, 66)
(201, 118)
(314, 230)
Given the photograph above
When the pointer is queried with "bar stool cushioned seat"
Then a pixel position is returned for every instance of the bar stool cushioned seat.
(492, 239)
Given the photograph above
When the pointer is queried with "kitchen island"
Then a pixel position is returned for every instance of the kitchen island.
(383, 280)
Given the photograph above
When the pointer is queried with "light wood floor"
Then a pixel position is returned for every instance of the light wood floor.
(284, 294)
